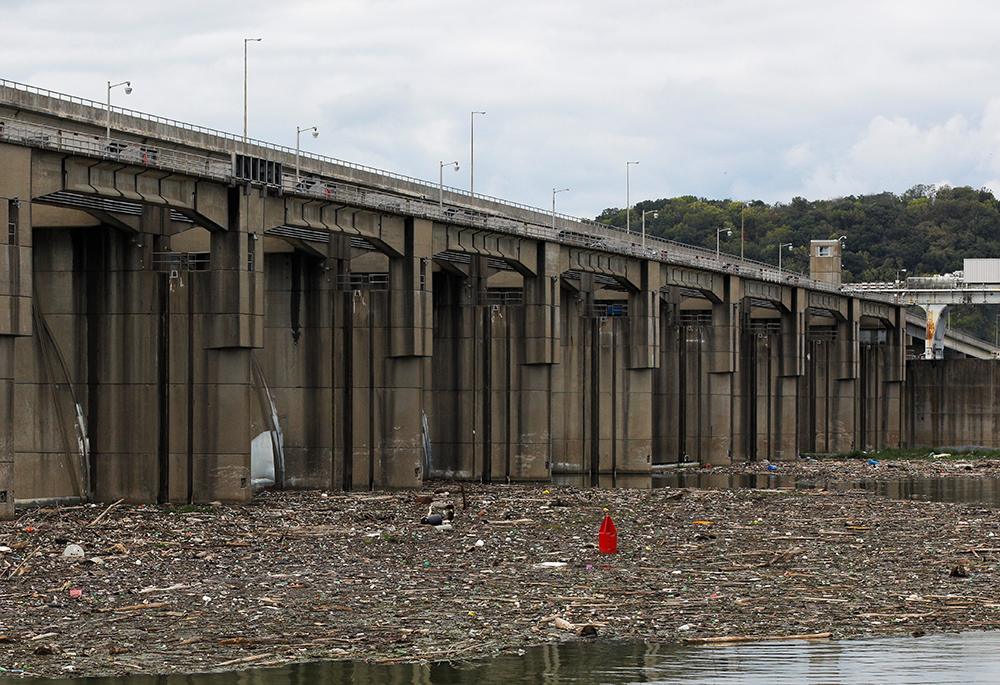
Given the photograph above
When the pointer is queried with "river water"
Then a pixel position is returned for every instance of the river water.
(984, 491)
(968, 658)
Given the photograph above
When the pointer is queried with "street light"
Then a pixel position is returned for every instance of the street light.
(441, 181)
(472, 153)
(628, 201)
(128, 91)
(898, 272)
(554, 191)
(781, 245)
(298, 134)
(656, 215)
(718, 232)
(245, 41)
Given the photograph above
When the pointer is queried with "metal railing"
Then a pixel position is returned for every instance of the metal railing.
(64, 140)
(181, 261)
(581, 232)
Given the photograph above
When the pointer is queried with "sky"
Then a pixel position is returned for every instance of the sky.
(764, 100)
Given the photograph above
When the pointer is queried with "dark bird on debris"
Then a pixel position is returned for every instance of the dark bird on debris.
(442, 521)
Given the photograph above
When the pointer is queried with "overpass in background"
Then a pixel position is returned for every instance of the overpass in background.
(182, 317)
(978, 283)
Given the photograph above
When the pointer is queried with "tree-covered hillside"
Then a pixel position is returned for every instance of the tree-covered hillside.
(927, 230)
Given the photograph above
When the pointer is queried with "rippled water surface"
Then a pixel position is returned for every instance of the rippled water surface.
(952, 489)
(970, 658)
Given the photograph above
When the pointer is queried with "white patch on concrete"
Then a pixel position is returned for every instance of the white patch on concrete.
(262, 461)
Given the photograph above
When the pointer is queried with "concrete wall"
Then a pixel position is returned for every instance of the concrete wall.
(952, 403)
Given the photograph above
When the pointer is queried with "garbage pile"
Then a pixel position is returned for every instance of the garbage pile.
(469, 571)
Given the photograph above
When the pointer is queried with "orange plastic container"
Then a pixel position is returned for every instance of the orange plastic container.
(607, 539)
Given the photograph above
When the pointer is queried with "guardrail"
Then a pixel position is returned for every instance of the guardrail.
(581, 232)
(64, 140)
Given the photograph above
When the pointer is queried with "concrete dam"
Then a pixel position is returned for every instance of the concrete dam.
(182, 312)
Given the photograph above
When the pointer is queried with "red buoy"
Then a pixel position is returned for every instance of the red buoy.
(607, 539)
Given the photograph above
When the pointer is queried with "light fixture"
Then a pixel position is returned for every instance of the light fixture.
(128, 91)
(441, 181)
(656, 215)
(718, 232)
(554, 191)
(781, 245)
(298, 134)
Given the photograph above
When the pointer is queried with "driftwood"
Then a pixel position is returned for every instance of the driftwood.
(245, 659)
(733, 639)
(105, 512)
(583, 630)
(134, 607)
(783, 556)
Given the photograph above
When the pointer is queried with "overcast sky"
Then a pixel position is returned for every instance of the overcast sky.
(765, 100)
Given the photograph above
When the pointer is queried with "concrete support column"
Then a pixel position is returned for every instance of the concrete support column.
(296, 364)
(894, 363)
(791, 367)
(400, 462)
(541, 307)
(840, 407)
(6, 427)
(411, 315)
(228, 325)
(363, 350)
(847, 360)
(937, 324)
(723, 401)
(644, 318)
(124, 358)
(234, 305)
(792, 340)
(531, 459)
(459, 428)
(669, 383)
(532, 449)
(15, 299)
(340, 352)
(573, 379)
(404, 394)
(634, 449)
(221, 435)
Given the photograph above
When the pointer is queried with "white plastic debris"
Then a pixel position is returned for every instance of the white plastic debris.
(73, 552)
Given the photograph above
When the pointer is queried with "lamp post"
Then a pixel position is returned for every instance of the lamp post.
(128, 91)
(898, 272)
(245, 42)
(718, 232)
(472, 153)
(441, 181)
(781, 245)
(298, 135)
(628, 201)
(554, 191)
(656, 215)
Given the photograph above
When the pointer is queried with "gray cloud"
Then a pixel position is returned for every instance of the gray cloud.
(763, 100)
